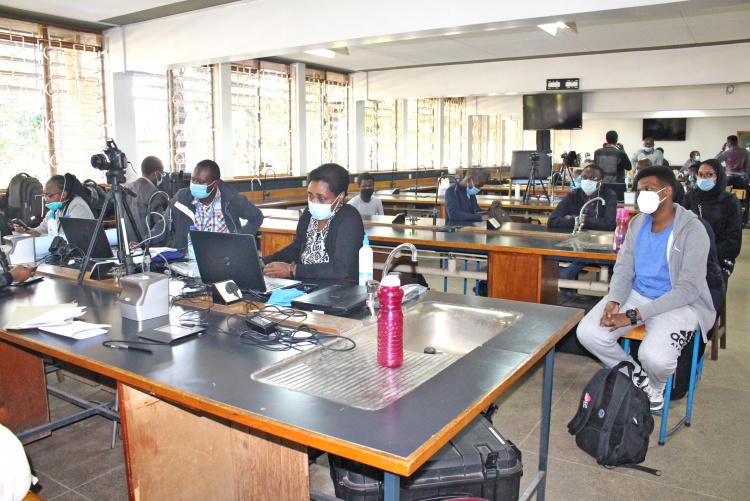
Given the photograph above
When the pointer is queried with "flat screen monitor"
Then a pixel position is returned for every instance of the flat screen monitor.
(665, 129)
(553, 111)
(520, 164)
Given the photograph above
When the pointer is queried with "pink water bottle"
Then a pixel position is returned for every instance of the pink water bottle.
(622, 227)
(390, 323)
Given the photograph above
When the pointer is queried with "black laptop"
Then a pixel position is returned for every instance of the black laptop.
(340, 299)
(78, 232)
(233, 256)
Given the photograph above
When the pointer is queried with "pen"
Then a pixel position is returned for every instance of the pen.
(128, 347)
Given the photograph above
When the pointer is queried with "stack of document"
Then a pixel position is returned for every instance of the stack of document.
(57, 319)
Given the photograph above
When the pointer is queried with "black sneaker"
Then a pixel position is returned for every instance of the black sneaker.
(640, 378)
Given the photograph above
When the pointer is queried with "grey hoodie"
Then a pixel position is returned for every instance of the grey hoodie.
(687, 254)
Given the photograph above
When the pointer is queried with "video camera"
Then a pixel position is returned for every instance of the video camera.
(112, 158)
(534, 156)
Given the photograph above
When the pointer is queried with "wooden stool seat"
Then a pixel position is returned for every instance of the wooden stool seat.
(696, 370)
(31, 497)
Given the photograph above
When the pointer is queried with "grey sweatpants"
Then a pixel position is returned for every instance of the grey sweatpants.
(666, 335)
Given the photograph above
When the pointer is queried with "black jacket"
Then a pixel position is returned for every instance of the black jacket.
(722, 211)
(5, 279)
(343, 242)
(714, 274)
(234, 205)
(571, 206)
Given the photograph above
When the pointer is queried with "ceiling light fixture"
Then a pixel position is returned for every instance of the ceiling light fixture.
(552, 28)
(322, 53)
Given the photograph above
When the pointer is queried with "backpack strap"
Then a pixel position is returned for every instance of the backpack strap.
(638, 467)
(618, 392)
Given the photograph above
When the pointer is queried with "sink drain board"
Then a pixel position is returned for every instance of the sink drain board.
(354, 378)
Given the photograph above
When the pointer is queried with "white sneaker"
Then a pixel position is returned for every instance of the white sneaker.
(655, 396)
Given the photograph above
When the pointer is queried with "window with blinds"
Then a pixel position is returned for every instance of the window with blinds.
(327, 117)
(494, 140)
(454, 131)
(192, 108)
(421, 133)
(479, 140)
(52, 115)
(381, 138)
(151, 104)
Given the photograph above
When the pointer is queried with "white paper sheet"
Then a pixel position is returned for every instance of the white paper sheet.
(77, 330)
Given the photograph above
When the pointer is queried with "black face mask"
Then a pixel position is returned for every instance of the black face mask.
(366, 192)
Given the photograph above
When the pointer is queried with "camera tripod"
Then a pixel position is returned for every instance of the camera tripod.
(531, 184)
(114, 177)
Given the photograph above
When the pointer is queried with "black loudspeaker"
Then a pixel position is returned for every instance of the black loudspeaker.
(543, 140)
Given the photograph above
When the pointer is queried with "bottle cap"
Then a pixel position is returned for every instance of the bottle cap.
(390, 281)
(193, 228)
(365, 241)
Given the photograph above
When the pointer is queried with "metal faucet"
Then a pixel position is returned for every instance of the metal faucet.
(252, 188)
(265, 178)
(416, 177)
(372, 289)
(581, 218)
(396, 251)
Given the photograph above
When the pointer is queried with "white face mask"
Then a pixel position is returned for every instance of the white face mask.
(321, 212)
(648, 201)
(588, 186)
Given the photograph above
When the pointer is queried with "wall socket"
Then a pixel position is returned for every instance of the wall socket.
(304, 183)
(409, 176)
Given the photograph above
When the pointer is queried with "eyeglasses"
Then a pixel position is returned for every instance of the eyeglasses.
(47, 196)
(706, 175)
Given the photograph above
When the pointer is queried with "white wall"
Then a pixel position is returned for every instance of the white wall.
(706, 135)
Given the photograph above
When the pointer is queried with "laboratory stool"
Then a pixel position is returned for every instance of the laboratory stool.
(696, 370)
(31, 497)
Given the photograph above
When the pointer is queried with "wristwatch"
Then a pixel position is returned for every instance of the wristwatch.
(633, 316)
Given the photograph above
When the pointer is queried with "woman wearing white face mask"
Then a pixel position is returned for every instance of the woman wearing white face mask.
(329, 233)
(710, 200)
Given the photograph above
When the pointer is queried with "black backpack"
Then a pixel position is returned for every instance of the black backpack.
(614, 421)
(24, 199)
(97, 195)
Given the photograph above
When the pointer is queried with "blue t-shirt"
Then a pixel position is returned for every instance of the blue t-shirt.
(651, 267)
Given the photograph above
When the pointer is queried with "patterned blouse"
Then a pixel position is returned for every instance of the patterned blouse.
(315, 243)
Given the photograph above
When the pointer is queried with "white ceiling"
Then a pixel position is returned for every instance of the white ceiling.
(677, 24)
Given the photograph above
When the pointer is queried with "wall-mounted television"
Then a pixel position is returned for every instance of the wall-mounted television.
(665, 129)
(562, 111)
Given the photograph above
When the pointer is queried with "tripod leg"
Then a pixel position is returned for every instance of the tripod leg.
(123, 249)
(129, 214)
(99, 223)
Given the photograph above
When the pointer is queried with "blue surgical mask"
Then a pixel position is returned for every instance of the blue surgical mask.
(697, 158)
(577, 182)
(53, 206)
(691, 179)
(321, 212)
(706, 184)
(200, 191)
(588, 186)
(648, 150)
(161, 180)
(473, 191)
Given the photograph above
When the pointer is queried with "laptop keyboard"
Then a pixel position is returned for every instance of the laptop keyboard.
(279, 283)
(186, 269)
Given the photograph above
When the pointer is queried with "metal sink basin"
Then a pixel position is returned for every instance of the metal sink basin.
(354, 378)
(590, 240)
(452, 329)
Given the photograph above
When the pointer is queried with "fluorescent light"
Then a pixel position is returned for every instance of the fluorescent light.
(322, 53)
(511, 93)
(552, 28)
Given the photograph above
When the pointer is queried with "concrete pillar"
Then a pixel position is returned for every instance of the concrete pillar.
(223, 134)
(124, 121)
(402, 128)
(359, 131)
(299, 120)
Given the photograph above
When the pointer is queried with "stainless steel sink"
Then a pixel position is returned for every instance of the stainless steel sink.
(590, 240)
(354, 378)
(452, 329)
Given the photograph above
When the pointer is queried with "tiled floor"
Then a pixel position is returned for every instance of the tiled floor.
(707, 461)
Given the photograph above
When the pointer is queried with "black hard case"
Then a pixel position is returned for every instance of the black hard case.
(477, 462)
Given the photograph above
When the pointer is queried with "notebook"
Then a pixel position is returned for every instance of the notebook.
(233, 256)
(339, 299)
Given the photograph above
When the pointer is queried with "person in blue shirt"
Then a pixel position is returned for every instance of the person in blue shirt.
(461, 198)
(659, 280)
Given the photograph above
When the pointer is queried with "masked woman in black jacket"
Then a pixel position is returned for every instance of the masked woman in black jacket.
(710, 200)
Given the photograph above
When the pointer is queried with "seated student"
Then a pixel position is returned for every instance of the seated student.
(695, 158)
(461, 198)
(691, 176)
(19, 273)
(214, 204)
(329, 233)
(659, 280)
(65, 196)
(146, 200)
(366, 203)
(598, 216)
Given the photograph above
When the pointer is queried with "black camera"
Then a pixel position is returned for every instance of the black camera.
(112, 158)
(534, 156)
